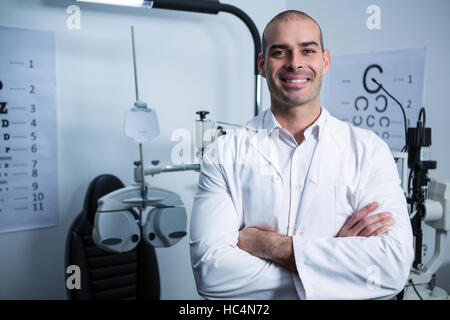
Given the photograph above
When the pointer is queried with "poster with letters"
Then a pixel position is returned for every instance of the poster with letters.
(351, 95)
(28, 130)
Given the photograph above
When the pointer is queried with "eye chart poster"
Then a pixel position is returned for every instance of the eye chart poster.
(351, 95)
(28, 145)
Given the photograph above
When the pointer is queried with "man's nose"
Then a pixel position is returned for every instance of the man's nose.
(294, 62)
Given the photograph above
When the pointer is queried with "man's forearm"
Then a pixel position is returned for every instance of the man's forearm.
(268, 245)
(282, 252)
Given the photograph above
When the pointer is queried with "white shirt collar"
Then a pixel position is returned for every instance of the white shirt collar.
(270, 122)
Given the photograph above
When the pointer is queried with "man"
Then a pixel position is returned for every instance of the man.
(299, 204)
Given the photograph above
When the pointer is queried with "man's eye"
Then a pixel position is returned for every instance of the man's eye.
(278, 53)
(308, 51)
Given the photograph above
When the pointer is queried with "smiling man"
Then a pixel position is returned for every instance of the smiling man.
(299, 204)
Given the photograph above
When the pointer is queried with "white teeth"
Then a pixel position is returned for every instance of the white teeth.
(295, 81)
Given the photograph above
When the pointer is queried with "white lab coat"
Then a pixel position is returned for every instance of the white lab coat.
(239, 187)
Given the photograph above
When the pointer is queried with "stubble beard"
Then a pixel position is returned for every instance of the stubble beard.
(284, 100)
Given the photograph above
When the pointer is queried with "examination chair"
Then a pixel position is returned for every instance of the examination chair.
(131, 275)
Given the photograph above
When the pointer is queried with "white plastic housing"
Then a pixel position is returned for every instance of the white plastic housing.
(116, 231)
(165, 226)
(141, 123)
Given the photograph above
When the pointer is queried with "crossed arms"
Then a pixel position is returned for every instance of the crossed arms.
(252, 263)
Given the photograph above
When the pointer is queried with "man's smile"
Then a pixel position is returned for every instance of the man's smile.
(294, 81)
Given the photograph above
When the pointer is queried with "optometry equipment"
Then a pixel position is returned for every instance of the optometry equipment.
(429, 202)
(117, 225)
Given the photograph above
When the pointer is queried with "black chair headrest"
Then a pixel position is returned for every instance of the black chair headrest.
(100, 186)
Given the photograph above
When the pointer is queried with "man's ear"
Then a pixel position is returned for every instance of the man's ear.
(326, 61)
(261, 65)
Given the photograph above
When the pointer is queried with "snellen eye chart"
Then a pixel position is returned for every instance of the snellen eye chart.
(351, 95)
(28, 130)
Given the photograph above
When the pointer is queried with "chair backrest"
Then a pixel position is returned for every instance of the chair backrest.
(105, 275)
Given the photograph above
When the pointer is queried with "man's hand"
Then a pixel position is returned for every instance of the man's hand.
(363, 226)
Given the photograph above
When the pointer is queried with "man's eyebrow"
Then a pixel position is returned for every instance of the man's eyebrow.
(308, 43)
(300, 45)
(279, 46)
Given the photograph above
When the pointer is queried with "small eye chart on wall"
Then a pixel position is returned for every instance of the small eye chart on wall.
(351, 95)
(28, 144)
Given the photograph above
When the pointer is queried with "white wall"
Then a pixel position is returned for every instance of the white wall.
(405, 24)
(186, 62)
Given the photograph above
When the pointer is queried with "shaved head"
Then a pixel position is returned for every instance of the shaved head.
(285, 16)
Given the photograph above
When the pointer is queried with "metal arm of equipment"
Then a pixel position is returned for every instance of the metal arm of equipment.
(151, 171)
(206, 132)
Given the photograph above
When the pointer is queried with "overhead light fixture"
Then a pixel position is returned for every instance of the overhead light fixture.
(127, 3)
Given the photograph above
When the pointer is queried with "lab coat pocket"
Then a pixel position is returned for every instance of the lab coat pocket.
(260, 196)
(317, 215)
(344, 199)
